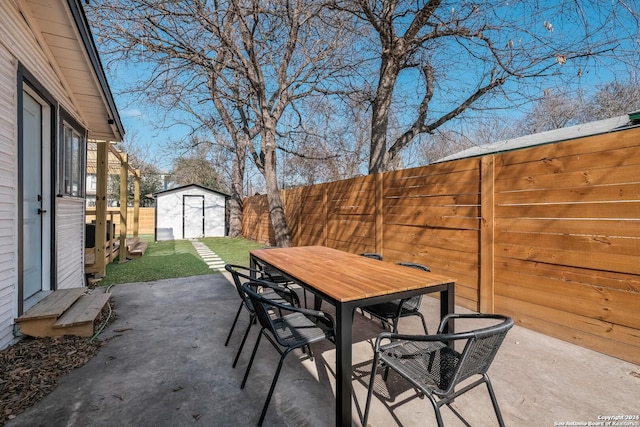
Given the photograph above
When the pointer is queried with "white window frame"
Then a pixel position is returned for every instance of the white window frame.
(72, 152)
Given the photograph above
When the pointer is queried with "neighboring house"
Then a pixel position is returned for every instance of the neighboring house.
(549, 137)
(53, 98)
(190, 211)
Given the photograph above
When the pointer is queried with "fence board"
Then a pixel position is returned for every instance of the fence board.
(598, 144)
(433, 200)
(595, 227)
(574, 179)
(405, 237)
(565, 242)
(613, 210)
(604, 279)
(610, 305)
(601, 336)
(604, 193)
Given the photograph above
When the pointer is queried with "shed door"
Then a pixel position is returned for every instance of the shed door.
(193, 216)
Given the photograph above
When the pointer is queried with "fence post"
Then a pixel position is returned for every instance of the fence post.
(378, 213)
(325, 214)
(487, 203)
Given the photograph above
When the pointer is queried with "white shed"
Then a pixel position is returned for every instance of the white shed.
(189, 212)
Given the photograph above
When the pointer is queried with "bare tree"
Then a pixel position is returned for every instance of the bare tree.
(614, 99)
(330, 143)
(557, 110)
(139, 157)
(198, 167)
(554, 111)
(247, 61)
(442, 58)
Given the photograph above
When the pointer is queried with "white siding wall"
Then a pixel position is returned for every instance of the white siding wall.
(70, 242)
(8, 197)
(19, 44)
(169, 213)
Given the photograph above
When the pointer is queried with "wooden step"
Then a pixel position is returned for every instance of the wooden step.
(137, 251)
(39, 319)
(78, 320)
(63, 312)
(53, 305)
(132, 242)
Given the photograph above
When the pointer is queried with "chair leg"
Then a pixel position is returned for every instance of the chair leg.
(374, 370)
(234, 324)
(252, 320)
(494, 401)
(395, 325)
(272, 388)
(436, 409)
(253, 355)
(424, 324)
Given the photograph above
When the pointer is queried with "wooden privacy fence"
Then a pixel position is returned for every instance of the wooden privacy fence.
(549, 235)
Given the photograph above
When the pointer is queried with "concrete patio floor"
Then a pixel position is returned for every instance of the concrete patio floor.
(164, 364)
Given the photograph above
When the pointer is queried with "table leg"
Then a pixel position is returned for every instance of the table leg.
(448, 305)
(253, 265)
(344, 319)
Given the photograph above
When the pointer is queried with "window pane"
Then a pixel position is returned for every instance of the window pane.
(75, 164)
(68, 137)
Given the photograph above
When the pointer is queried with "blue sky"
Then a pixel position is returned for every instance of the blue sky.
(145, 126)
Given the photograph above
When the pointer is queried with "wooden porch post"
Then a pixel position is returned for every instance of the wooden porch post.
(136, 203)
(102, 168)
(124, 172)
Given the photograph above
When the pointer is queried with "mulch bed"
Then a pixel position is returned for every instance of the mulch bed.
(30, 369)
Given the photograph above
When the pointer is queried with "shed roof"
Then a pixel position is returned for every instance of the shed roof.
(557, 135)
(182, 187)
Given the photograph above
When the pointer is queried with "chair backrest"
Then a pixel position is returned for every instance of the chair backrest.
(261, 306)
(371, 255)
(241, 275)
(480, 349)
(413, 303)
(274, 274)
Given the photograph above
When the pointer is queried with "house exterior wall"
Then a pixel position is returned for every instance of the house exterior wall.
(8, 196)
(169, 213)
(20, 43)
(69, 243)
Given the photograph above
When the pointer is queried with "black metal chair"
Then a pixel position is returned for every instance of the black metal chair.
(391, 312)
(277, 276)
(269, 289)
(300, 328)
(435, 368)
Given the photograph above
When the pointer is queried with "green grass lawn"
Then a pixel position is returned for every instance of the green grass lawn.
(178, 258)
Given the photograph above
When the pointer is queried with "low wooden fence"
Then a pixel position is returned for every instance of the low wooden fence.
(549, 235)
(146, 221)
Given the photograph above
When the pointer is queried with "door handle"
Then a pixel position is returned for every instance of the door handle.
(40, 211)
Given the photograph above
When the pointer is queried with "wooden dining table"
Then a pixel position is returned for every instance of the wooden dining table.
(349, 281)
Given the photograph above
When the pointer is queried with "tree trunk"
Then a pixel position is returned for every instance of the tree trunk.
(237, 185)
(378, 157)
(276, 208)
